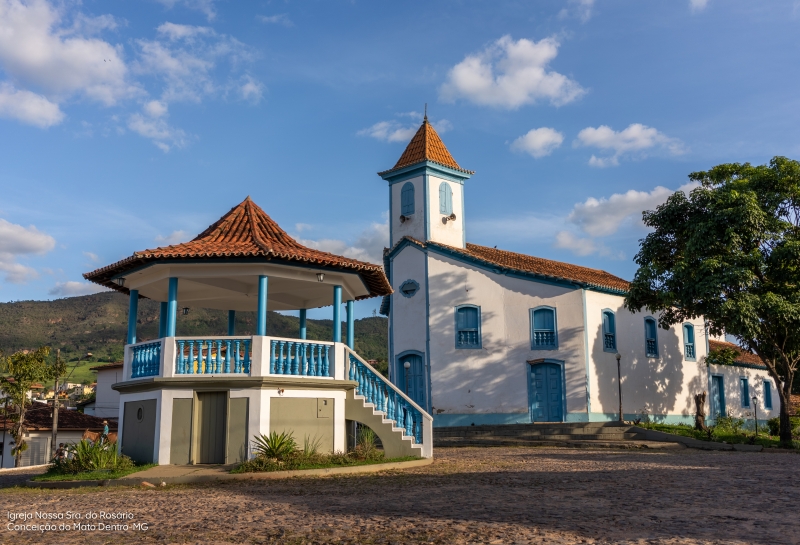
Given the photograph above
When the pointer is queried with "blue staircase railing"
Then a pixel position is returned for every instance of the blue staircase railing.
(300, 358)
(212, 356)
(145, 359)
(386, 398)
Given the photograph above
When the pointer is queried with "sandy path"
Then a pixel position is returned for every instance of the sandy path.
(495, 495)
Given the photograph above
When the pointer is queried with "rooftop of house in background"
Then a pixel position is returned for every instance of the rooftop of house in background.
(743, 356)
(41, 418)
(114, 365)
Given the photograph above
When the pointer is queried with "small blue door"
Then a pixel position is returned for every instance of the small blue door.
(717, 397)
(412, 380)
(546, 393)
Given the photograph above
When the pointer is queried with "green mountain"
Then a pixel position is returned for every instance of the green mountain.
(99, 324)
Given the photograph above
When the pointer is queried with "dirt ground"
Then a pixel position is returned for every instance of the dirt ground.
(468, 495)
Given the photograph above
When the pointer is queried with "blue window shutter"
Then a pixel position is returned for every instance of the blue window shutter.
(407, 199)
(651, 329)
(543, 319)
(445, 199)
(608, 323)
(767, 395)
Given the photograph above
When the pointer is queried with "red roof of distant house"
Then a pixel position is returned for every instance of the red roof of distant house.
(115, 365)
(246, 231)
(426, 146)
(743, 355)
(34, 386)
(41, 418)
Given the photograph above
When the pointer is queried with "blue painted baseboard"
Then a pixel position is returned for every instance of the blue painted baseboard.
(488, 419)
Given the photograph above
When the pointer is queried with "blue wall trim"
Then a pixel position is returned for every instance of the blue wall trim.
(133, 315)
(586, 354)
(412, 171)
(428, 334)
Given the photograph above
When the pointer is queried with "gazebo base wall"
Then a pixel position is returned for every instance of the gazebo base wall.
(204, 416)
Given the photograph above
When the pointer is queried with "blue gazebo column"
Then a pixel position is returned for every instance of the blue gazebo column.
(350, 332)
(172, 308)
(162, 320)
(302, 323)
(337, 308)
(133, 316)
(231, 323)
(261, 319)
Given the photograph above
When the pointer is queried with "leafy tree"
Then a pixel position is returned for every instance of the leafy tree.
(730, 252)
(22, 370)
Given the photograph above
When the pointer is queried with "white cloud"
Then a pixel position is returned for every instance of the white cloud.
(395, 131)
(155, 108)
(584, 246)
(155, 127)
(28, 107)
(74, 289)
(603, 217)
(92, 256)
(538, 142)
(280, 19)
(183, 32)
(15, 241)
(697, 5)
(511, 74)
(39, 49)
(251, 89)
(582, 9)
(206, 7)
(368, 246)
(175, 237)
(633, 140)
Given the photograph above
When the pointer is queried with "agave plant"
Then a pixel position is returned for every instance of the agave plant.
(275, 445)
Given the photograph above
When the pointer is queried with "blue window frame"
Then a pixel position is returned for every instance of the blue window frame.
(767, 395)
(744, 391)
(544, 332)
(650, 338)
(407, 199)
(409, 288)
(609, 331)
(445, 199)
(468, 326)
(688, 342)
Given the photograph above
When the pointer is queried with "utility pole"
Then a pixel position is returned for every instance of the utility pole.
(54, 443)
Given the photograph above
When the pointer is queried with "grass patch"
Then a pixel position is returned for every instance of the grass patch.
(95, 475)
(724, 432)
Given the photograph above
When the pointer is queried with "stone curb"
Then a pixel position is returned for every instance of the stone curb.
(652, 435)
(221, 476)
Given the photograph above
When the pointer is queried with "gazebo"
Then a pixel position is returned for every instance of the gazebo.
(198, 400)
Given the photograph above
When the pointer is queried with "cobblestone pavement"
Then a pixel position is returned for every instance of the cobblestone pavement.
(469, 495)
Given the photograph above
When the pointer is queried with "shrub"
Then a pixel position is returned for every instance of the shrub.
(366, 445)
(775, 425)
(275, 445)
(728, 424)
(88, 456)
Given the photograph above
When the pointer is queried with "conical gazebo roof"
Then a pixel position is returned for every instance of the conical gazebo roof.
(245, 232)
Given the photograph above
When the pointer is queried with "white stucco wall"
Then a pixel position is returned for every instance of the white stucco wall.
(106, 399)
(662, 387)
(415, 226)
(491, 383)
(732, 374)
(452, 232)
(408, 312)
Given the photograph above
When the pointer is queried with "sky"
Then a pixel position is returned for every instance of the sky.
(129, 125)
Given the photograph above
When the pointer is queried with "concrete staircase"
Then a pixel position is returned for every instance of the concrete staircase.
(553, 434)
(396, 444)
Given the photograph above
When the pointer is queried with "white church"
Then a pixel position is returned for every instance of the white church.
(479, 335)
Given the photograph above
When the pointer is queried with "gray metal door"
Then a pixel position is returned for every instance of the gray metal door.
(139, 430)
(546, 393)
(212, 408)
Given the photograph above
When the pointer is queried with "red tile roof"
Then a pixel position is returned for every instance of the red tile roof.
(426, 146)
(536, 265)
(41, 418)
(246, 231)
(743, 355)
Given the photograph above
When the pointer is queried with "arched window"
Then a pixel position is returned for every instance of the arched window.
(609, 331)
(544, 335)
(650, 338)
(407, 199)
(688, 342)
(468, 326)
(445, 199)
